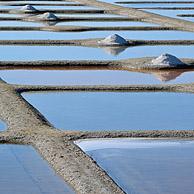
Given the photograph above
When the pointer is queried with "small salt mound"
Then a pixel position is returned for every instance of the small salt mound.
(28, 8)
(48, 17)
(114, 39)
(167, 60)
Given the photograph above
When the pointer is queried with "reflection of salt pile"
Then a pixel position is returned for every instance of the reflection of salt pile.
(48, 17)
(167, 60)
(114, 50)
(49, 23)
(166, 76)
(114, 40)
(28, 8)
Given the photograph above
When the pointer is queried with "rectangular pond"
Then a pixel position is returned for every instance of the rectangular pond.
(29, 53)
(170, 13)
(7, 15)
(20, 23)
(37, 2)
(143, 35)
(95, 77)
(156, 5)
(115, 111)
(145, 166)
(44, 7)
(90, 15)
(79, 23)
(105, 23)
(78, 15)
(173, 13)
(2, 7)
(42, 2)
(2, 125)
(23, 171)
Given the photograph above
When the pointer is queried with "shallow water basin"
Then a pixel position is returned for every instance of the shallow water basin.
(95, 77)
(23, 53)
(20, 23)
(23, 171)
(144, 35)
(10, 15)
(89, 15)
(115, 111)
(2, 7)
(2, 126)
(44, 7)
(145, 166)
(107, 23)
(41, 2)
(156, 5)
(174, 13)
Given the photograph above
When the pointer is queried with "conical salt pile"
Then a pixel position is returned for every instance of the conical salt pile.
(167, 60)
(28, 8)
(114, 39)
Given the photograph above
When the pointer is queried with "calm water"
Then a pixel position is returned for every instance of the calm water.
(23, 171)
(144, 5)
(120, 23)
(66, 15)
(128, 5)
(145, 166)
(170, 13)
(47, 2)
(34, 24)
(5, 7)
(94, 77)
(174, 13)
(89, 15)
(68, 53)
(147, 35)
(20, 23)
(115, 111)
(2, 125)
(42, 7)
(108, 1)
(10, 15)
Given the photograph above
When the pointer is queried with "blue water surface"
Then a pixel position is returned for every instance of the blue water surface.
(115, 111)
(141, 166)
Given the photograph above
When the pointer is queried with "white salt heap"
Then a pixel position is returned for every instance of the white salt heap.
(28, 8)
(114, 39)
(48, 17)
(167, 60)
